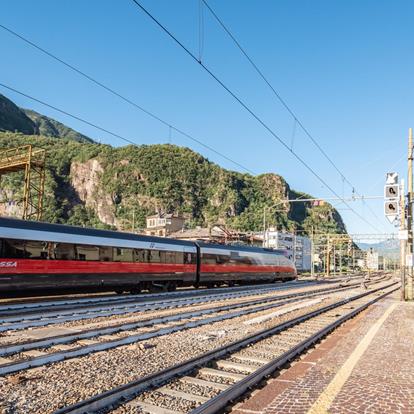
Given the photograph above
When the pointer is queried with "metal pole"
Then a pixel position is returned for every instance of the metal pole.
(312, 254)
(264, 226)
(403, 243)
(327, 261)
(410, 214)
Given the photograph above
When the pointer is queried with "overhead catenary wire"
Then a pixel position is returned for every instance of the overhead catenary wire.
(125, 99)
(295, 117)
(247, 108)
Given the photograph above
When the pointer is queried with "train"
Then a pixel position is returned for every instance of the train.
(38, 257)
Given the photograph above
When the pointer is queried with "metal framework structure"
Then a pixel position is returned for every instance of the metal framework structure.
(32, 162)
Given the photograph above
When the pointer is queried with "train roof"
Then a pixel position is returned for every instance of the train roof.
(86, 231)
(239, 247)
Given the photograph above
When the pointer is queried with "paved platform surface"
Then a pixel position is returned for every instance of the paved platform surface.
(365, 366)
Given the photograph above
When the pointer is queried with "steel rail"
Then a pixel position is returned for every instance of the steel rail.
(239, 388)
(31, 307)
(39, 319)
(129, 391)
(16, 323)
(16, 366)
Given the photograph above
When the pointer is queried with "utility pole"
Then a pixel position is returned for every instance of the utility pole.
(312, 254)
(410, 214)
(264, 226)
(403, 242)
(328, 256)
(353, 259)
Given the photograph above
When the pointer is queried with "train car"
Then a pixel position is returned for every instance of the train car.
(42, 257)
(242, 264)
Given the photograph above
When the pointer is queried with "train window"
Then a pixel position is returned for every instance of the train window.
(86, 252)
(105, 254)
(36, 250)
(179, 257)
(139, 255)
(189, 258)
(156, 256)
(13, 249)
(170, 257)
(222, 259)
(215, 258)
(122, 255)
(64, 251)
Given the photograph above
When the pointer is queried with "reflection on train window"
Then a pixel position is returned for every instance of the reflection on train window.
(35, 250)
(13, 249)
(105, 254)
(169, 257)
(155, 256)
(122, 255)
(139, 255)
(189, 258)
(87, 252)
(208, 258)
(64, 251)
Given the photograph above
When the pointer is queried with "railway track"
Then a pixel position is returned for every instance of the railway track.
(13, 320)
(34, 353)
(62, 304)
(46, 317)
(207, 383)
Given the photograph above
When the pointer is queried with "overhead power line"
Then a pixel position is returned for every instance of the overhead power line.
(248, 109)
(78, 118)
(119, 95)
(297, 121)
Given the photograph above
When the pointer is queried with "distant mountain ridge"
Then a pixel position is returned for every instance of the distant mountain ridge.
(28, 122)
(388, 247)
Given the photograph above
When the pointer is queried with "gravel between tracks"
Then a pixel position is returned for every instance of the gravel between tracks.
(14, 337)
(45, 389)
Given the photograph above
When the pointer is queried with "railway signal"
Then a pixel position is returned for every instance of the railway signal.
(391, 197)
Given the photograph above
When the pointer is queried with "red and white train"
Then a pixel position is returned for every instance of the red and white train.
(44, 257)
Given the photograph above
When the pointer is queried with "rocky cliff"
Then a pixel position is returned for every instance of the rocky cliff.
(97, 185)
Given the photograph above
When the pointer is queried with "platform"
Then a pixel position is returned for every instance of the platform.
(365, 366)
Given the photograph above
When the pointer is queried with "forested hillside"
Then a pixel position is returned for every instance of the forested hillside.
(97, 185)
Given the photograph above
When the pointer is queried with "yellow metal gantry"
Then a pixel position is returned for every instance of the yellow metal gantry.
(32, 161)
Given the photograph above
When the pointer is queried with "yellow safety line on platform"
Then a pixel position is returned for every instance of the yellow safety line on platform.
(322, 404)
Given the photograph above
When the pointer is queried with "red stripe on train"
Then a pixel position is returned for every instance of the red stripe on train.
(33, 266)
(211, 268)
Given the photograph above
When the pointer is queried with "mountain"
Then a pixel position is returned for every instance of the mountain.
(389, 248)
(98, 185)
(15, 119)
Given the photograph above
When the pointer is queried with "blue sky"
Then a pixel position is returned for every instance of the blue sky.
(345, 68)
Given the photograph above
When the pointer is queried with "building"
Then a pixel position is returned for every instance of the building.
(163, 224)
(372, 260)
(214, 234)
(297, 248)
